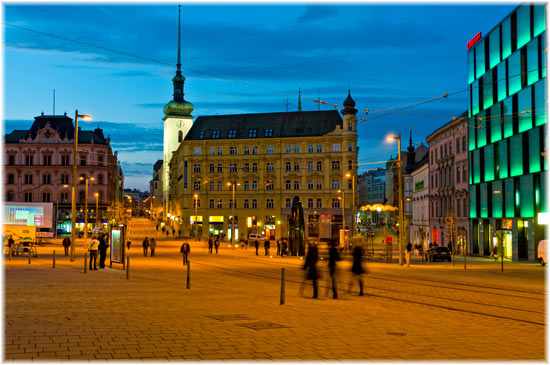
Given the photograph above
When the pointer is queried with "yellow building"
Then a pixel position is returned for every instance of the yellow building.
(270, 158)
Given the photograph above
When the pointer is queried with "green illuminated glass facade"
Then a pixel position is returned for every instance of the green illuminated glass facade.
(507, 125)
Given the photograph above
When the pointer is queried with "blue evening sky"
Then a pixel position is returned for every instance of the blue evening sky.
(388, 55)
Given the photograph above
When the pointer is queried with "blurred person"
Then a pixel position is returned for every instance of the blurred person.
(256, 244)
(185, 250)
(128, 243)
(310, 264)
(66, 244)
(92, 248)
(408, 252)
(357, 267)
(103, 246)
(145, 245)
(153, 246)
(217, 244)
(333, 257)
(210, 244)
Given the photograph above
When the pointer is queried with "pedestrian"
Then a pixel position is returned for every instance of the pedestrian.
(310, 264)
(357, 266)
(408, 252)
(179, 232)
(333, 257)
(167, 233)
(185, 250)
(284, 248)
(173, 232)
(103, 246)
(217, 244)
(278, 248)
(266, 247)
(153, 246)
(92, 249)
(256, 244)
(128, 243)
(162, 229)
(66, 244)
(210, 244)
(157, 227)
(145, 245)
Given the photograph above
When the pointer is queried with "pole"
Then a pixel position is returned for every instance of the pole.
(97, 210)
(127, 267)
(73, 202)
(29, 254)
(400, 201)
(86, 215)
(464, 251)
(53, 259)
(282, 286)
(502, 251)
(85, 259)
(233, 218)
(354, 213)
(56, 213)
(196, 223)
(344, 219)
(188, 275)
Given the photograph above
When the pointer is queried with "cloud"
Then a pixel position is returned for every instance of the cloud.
(315, 13)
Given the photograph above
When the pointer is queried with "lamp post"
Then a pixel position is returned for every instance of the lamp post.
(343, 198)
(196, 196)
(96, 209)
(232, 184)
(86, 209)
(354, 213)
(73, 203)
(400, 183)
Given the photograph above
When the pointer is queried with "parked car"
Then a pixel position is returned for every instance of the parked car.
(256, 237)
(542, 252)
(440, 254)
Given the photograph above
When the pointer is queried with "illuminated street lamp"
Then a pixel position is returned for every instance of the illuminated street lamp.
(232, 184)
(86, 210)
(73, 204)
(196, 196)
(352, 176)
(343, 199)
(400, 183)
(96, 209)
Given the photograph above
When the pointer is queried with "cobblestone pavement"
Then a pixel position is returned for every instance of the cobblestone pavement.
(232, 310)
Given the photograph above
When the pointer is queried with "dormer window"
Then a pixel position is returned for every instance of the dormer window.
(232, 133)
(201, 135)
(215, 134)
(252, 132)
(268, 133)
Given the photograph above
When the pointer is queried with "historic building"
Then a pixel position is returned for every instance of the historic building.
(39, 164)
(269, 158)
(507, 129)
(155, 189)
(419, 228)
(449, 183)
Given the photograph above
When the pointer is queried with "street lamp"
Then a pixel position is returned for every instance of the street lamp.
(86, 209)
(400, 183)
(354, 213)
(232, 184)
(96, 209)
(73, 204)
(196, 196)
(343, 198)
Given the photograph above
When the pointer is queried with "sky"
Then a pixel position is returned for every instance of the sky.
(239, 58)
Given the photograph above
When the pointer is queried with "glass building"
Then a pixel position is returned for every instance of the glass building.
(507, 135)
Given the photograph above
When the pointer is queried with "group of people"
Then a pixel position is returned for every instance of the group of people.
(152, 245)
(97, 244)
(213, 243)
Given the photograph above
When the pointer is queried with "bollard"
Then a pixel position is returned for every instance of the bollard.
(53, 259)
(29, 255)
(127, 267)
(9, 254)
(282, 286)
(85, 259)
(188, 275)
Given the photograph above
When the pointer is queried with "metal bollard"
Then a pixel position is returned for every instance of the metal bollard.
(188, 275)
(53, 259)
(282, 286)
(127, 267)
(85, 259)
(29, 255)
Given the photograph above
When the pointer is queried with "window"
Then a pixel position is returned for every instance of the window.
(310, 203)
(310, 184)
(296, 166)
(219, 204)
(514, 72)
(216, 134)
(350, 126)
(489, 161)
(268, 133)
(533, 61)
(46, 179)
(350, 147)
(464, 173)
(220, 151)
(231, 203)
(28, 179)
(287, 185)
(269, 203)
(539, 90)
(319, 148)
(270, 150)
(457, 175)
(463, 143)
(247, 185)
(310, 166)
(319, 165)
(480, 58)
(247, 150)
(501, 81)
(211, 204)
(523, 27)
(10, 196)
(65, 179)
(335, 203)
(288, 148)
(287, 203)
(254, 167)
(296, 148)
(180, 136)
(296, 185)
(288, 166)
(233, 150)
(100, 160)
(319, 203)
(507, 116)
(212, 168)
(28, 160)
(506, 38)
(335, 184)
(269, 185)
(319, 184)
(196, 151)
(254, 204)
(255, 150)
(525, 116)
(232, 133)
(310, 148)
(246, 204)
(270, 167)
(201, 135)
(212, 151)
(211, 185)
(471, 68)
(46, 197)
(254, 185)
(28, 197)
(350, 165)
(350, 184)
(196, 203)
(336, 147)
(252, 132)
(232, 167)
(516, 155)
(11, 179)
(335, 165)
(487, 90)
(220, 167)
(196, 185)
(197, 167)
(48, 160)
(246, 167)
(494, 47)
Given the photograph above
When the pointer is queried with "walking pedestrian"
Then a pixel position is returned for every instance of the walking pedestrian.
(157, 227)
(92, 249)
(357, 266)
(145, 245)
(185, 250)
(128, 243)
(179, 232)
(333, 257)
(210, 244)
(173, 232)
(167, 233)
(153, 246)
(256, 244)
(408, 252)
(278, 248)
(103, 246)
(162, 229)
(66, 244)
(311, 265)
(217, 244)
(266, 246)
(284, 248)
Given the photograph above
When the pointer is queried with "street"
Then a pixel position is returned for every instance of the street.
(231, 311)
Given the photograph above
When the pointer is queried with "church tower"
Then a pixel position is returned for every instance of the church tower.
(177, 122)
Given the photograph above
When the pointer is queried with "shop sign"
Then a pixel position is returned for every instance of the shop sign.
(474, 40)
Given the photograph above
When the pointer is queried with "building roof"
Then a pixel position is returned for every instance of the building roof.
(283, 124)
(157, 165)
(447, 125)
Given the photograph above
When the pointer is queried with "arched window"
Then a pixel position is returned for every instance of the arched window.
(10, 196)
(82, 197)
(180, 136)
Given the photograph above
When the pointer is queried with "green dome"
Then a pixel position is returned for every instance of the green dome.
(180, 78)
(178, 108)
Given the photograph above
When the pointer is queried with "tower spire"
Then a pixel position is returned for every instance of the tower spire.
(410, 135)
(300, 99)
(179, 42)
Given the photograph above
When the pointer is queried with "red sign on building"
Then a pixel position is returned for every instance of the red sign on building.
(474, 40)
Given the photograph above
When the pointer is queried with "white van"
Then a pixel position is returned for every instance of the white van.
(542, 252)
(256, 237)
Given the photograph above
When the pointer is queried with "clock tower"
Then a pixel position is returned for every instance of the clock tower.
(177, 122)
